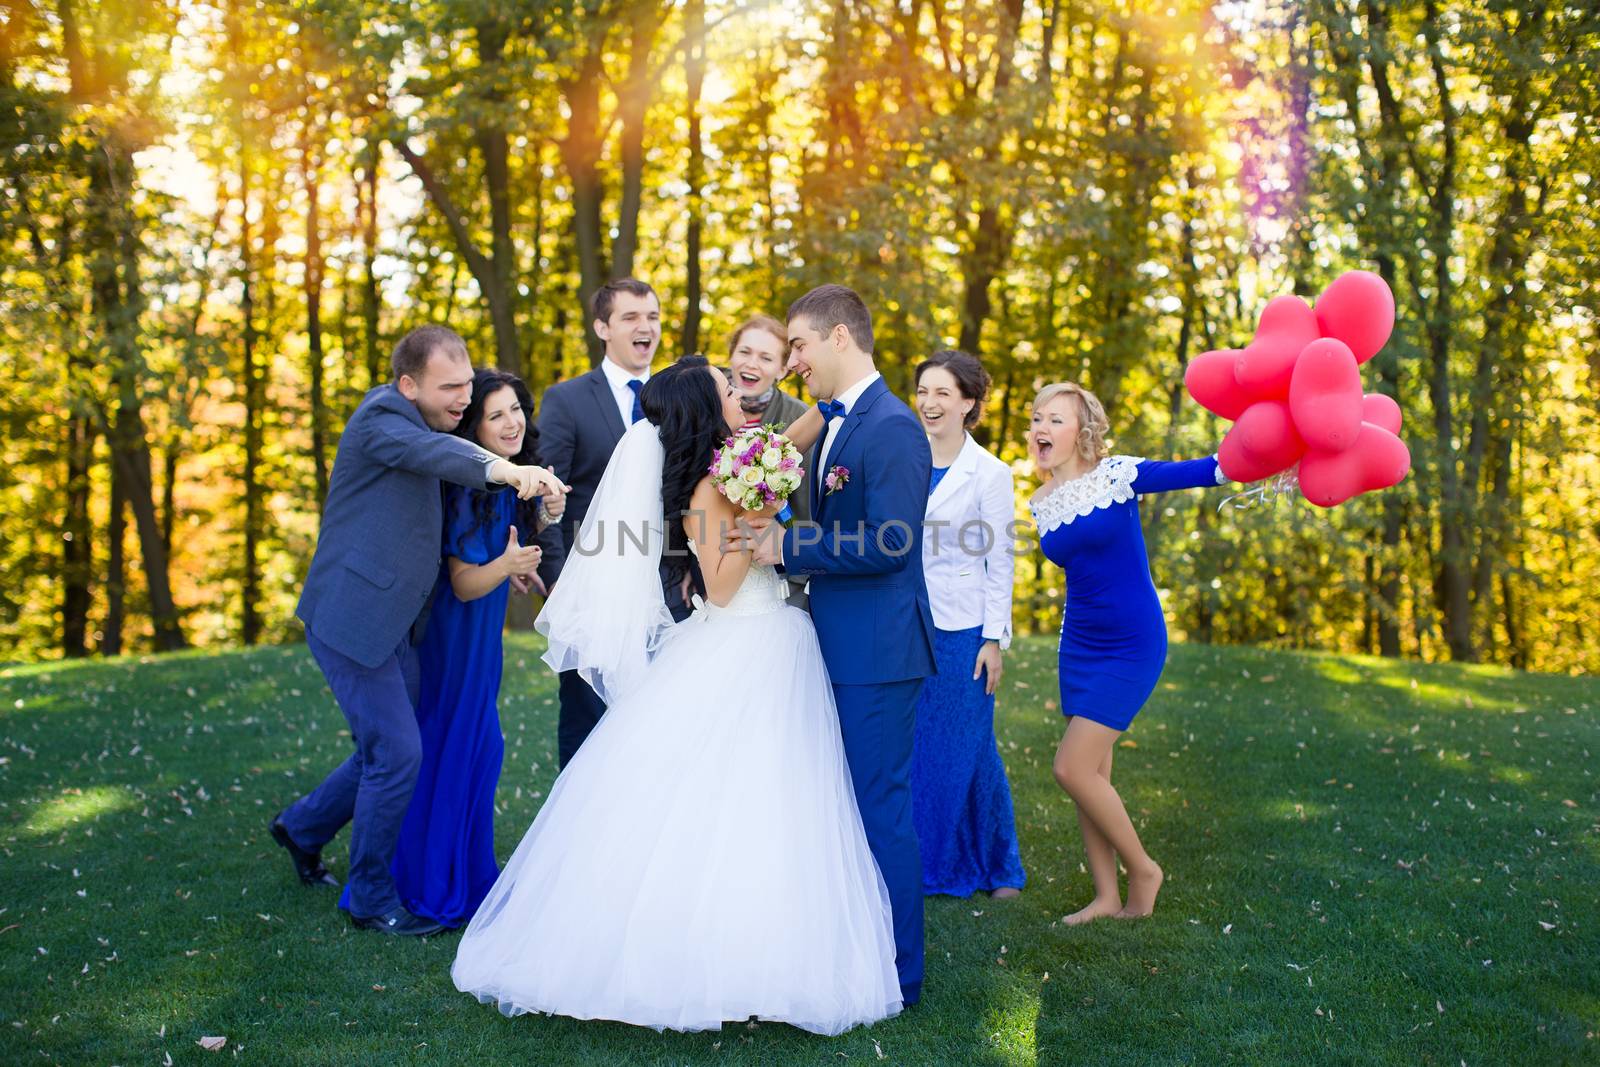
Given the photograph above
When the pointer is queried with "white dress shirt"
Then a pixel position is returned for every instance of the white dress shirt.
(618, 379)
(848, 398)
(967, 545)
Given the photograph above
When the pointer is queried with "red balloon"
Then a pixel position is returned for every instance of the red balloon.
(1325, 396)
(1377, 460)
(1265, 366)
(1358, 309)
(1380, 409)
(1210, 380)
(1240, 465)
(1262, 442)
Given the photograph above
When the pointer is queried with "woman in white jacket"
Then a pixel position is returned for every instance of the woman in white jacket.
(960, 798)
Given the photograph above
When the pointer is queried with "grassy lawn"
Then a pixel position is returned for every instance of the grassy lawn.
(1366, 862)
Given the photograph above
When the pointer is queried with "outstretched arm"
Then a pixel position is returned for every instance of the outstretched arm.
(1162, 476)
(395, 441)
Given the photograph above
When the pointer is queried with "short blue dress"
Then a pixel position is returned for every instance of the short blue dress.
(1113, 631)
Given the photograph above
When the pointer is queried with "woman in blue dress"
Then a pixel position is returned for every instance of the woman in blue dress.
(960, 799)
(445, 861)
(1113, 632)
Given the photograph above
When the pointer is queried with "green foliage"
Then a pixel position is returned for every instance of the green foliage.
(1367, 861)
(1089, 193)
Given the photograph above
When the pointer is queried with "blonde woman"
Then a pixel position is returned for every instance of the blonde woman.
(1113, 632)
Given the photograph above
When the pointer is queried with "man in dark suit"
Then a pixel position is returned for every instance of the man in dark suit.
(580, 422)
(376, 561)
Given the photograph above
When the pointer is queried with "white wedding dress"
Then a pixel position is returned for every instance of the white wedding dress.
(701, 859)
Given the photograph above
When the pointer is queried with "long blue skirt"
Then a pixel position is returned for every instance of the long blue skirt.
(960, 797)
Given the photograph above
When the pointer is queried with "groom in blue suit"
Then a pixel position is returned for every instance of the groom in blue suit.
(863, 555)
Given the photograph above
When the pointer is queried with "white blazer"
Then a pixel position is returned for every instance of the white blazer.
(967, 554)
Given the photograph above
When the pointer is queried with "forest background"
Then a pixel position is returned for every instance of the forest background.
(217, 218)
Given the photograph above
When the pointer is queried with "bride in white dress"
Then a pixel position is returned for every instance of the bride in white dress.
(701, 859)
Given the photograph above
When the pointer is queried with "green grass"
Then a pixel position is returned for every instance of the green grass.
(1366, 861)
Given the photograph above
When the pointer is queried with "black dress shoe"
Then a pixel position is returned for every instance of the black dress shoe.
(307, 865)
(398, 923)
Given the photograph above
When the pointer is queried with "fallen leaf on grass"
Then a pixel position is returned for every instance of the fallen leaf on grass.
(212, 1044)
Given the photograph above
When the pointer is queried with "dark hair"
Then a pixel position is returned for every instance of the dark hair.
(682, 402)
(411, 355)
(967, 370)
(828, 306)
(606, 296)
(485, 383)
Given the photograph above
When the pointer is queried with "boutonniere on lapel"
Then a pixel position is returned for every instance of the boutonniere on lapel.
(837, 479)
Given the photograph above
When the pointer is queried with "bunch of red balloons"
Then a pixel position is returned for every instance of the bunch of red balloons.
(1294, 394)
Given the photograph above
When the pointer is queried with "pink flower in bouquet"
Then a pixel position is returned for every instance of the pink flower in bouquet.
(756, 468)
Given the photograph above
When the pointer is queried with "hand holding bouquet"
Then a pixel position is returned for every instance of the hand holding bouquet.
(757, 469)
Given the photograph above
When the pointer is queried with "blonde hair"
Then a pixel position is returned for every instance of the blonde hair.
(1092, 421)
(764, 323)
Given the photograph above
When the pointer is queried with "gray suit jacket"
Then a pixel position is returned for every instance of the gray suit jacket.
(377, 554)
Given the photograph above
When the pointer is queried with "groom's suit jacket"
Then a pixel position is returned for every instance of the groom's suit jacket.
(868, 596)
(377, 553)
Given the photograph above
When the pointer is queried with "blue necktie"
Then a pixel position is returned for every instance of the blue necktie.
(831, 409)
(638, 409)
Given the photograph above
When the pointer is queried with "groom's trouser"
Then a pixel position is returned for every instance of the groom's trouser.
(373, 787)
(878, 723)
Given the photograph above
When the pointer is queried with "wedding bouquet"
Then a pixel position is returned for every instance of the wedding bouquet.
(756, 468)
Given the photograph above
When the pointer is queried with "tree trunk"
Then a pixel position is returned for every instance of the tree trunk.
(77, 537)
(116, 568)
(250, 620)
(367, 208)
(695, 33)
(580, 155)
(314, 354)
(112, 240)
(500, 288)
(989, 239)
(633, 101)
(169, 492)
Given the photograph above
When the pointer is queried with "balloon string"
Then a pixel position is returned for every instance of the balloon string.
(1263, 494)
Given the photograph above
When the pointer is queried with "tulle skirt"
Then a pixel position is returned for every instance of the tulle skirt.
(701, 859)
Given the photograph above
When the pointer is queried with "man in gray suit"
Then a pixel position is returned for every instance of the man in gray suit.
(375, 565)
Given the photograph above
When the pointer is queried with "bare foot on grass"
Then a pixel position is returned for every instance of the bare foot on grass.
(1142, 889)
(1098, 908)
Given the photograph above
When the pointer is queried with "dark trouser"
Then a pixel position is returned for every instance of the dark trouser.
(373, 787)
(581, 708)
(878, 723)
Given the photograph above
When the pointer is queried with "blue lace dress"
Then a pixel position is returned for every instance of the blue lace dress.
(1113, 631)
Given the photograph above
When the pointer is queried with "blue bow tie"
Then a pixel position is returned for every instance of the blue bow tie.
(831, 409)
